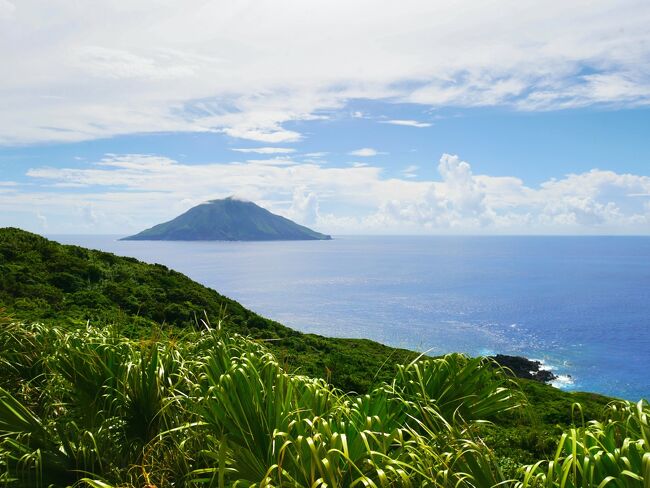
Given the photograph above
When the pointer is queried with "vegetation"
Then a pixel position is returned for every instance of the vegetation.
(91, 407)
(229, 220)
(41, 280)
(613, 452)
(110, 375)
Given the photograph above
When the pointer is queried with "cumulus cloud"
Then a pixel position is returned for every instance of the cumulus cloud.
(131, 191)
(222, 66)
(596, 201)
(460, 192)
(596, 198)
(304, 206)
(458, 201)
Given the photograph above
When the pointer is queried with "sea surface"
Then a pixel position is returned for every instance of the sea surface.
(579, 304)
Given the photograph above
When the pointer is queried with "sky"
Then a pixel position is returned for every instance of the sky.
(363, 117)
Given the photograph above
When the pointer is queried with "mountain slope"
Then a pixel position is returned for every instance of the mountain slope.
(44, 281)
(228, 220)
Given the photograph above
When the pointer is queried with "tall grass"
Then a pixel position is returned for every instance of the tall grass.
(91, 407)
(614, 452)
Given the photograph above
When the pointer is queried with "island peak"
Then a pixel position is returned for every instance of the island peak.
(228, 219)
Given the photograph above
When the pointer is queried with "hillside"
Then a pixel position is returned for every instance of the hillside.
(42, 280)
(90, 407)
(229, 219)
(59, 285)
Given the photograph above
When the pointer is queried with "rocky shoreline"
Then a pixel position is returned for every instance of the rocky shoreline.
(525, 368)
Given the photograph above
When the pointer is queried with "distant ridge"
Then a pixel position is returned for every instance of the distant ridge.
(228, 219)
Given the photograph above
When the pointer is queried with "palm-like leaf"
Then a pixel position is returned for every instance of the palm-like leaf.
(211, 409)
(599, 454)
(460, 389)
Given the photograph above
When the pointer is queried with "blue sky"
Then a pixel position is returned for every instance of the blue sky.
(450, 118)
(498, 141)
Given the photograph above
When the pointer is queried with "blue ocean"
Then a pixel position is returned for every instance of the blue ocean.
(579, 304)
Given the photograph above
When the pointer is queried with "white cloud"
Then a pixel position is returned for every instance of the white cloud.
(42, 220)
(365, 152)
(133, 191)
(461, 191)
(89, 215)
(472, 90)
(406, 123)
(277, 161)
(108, 63)
(409, 171)
(237, 68)
(304, 206)
(273, 134)
(458, 201)
(144, 162)
(265, 150)
(596, 201)
(7, 10)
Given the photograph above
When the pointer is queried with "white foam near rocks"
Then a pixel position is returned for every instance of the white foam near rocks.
(563, 381)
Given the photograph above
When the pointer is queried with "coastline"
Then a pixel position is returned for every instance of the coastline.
(525, 368)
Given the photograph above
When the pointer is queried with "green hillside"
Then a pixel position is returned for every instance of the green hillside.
(41, 280)
(90, 407)
(228, 220)
(67, 287)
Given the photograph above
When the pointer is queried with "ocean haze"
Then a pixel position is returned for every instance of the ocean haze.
(580, 304)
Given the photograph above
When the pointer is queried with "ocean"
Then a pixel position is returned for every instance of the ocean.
(579, 304)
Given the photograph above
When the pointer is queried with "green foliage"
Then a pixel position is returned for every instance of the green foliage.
(459, 387)
(614, 452)
(97, 408)
(149, 395)
(211, 408)
(523, 439)
(41, 280)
